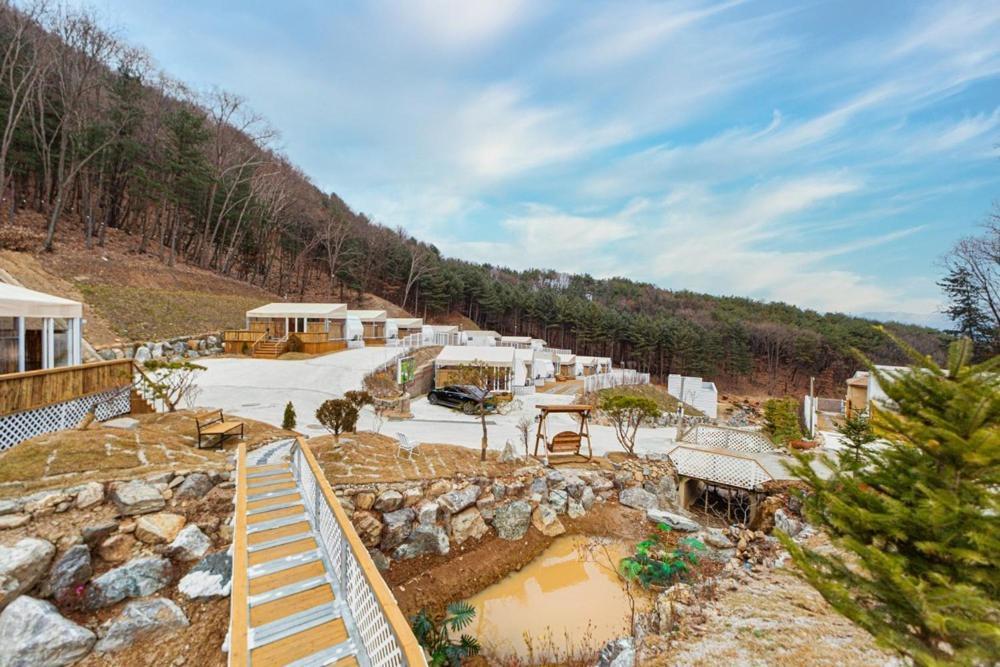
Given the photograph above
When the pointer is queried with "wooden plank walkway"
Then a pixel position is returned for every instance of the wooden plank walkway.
(287, 607)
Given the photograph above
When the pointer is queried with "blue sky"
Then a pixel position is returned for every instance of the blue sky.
(820, 153)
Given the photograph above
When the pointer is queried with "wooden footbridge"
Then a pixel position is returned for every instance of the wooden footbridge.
(305, 590)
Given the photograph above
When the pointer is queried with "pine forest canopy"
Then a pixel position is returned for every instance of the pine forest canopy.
(95, 138)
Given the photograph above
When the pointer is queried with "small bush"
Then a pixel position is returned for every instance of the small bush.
(337, 415)
(657, 564)
(288, 420)
(781, 420)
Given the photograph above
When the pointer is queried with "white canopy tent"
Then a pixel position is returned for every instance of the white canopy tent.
(324, 311)
(458, 356)
(38, 330)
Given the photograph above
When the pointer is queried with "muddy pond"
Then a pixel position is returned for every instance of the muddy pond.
(567, 601)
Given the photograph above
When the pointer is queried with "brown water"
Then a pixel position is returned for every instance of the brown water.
(567, 600)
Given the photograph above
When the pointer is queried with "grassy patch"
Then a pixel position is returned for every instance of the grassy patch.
(658, 394)
(145, 313)
(165, 441)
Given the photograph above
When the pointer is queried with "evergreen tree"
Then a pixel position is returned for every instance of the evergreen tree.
(288, 420)
(858, 431)
(917, 525)
(965, 308)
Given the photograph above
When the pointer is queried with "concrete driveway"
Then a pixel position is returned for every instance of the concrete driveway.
(438, 424)
(260, 388)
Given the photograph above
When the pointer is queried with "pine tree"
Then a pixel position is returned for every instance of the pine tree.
(965, 308)
(858, 431)
(917, 525)
(288, 420)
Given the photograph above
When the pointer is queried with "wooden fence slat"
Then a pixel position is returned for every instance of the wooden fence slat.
(35, 389)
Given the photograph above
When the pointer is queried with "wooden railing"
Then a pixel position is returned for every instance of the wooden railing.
(36, 389)
(385, 632)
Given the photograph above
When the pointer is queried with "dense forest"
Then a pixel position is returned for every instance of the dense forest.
(93, 133)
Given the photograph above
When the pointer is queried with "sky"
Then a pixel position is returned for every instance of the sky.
(824, 154)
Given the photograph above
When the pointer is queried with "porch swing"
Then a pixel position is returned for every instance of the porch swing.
(564, 445)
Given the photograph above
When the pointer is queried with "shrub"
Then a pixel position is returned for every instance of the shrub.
(626, 413)
(288, 420)
(337, 415)
(781, 420)
(657, 564)
(436, 637)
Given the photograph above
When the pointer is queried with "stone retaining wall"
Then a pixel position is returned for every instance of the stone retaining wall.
(171, 349)
(404, 520)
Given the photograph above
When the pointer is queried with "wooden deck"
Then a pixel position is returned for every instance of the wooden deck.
(285, 603)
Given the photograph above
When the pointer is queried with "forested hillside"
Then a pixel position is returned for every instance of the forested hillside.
(94, 139)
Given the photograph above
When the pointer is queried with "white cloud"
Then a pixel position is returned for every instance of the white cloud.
(456, 25)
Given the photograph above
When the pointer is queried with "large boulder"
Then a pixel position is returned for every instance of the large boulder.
(511, 520)
(141, 620)
(190, 544)
(211, 578)
(574, 508)
(194, 486)
(396, 527)
(137, 578)
(117, 548)
(546, 521)
(90, 494)
(638, 498)
(674, 520)
(468, 524)
(368, 527)
(587, 498)
(22, 566)
(137, 497)
(423, 540)
(142, 354)
(786, 523)
(389, 501)
(67, 576)
(617, 653)
(454, 502)
(159, 528)
(716, 539)
(558, 499)
(32, 632)
(427, 512)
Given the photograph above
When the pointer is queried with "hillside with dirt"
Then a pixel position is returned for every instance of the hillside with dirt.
(132, 296)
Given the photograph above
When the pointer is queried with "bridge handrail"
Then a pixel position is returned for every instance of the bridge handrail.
(384, 631)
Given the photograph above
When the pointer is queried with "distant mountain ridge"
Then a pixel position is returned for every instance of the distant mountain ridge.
(938, 321)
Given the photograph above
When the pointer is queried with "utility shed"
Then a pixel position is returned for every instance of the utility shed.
(38, 330)
(453, 359)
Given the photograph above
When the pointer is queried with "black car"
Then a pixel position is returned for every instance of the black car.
(464, 397)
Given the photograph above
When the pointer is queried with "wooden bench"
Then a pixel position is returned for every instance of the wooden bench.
(565, 442)
(213, 423)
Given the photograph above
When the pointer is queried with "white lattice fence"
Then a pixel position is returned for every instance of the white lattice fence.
(735, 471)
(20, 426)
(750, 442)
(374, 629)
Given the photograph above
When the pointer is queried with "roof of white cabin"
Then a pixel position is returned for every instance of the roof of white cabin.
(406, 322)
(368, 315)
(581, 359)
(515, 339)
(566, 358)
(444, 328)
(457, 355)
(331, 311)
(18, 301)
(480, 333)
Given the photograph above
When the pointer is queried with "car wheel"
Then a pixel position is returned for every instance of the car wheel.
(469, 407)
(433, 399)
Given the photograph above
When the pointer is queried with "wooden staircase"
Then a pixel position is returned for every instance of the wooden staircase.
(270, 349)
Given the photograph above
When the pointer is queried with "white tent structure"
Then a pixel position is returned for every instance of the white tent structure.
(440, 334)
(516, 341)
(282, 318)
(567, 364)
(354, 329)
(481, 338)
(38, 330)
(453, 358)
(538, 344)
